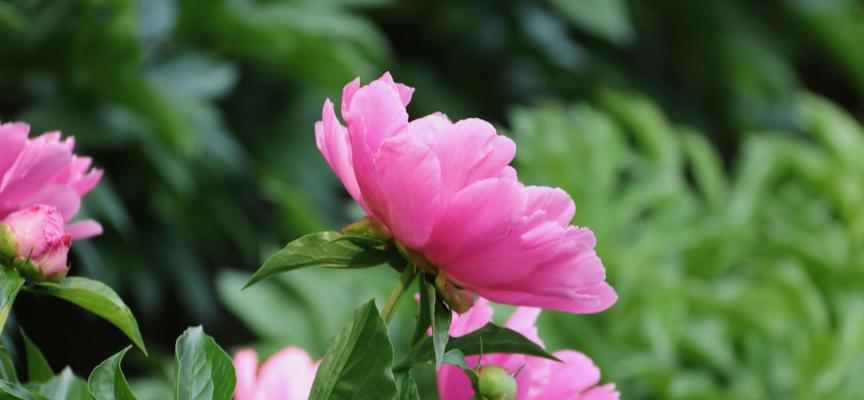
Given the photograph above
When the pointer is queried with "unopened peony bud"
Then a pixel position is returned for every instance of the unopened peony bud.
(36, 241)
(496, 383)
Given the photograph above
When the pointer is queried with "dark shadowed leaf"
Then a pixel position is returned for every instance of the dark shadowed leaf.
(38, 368)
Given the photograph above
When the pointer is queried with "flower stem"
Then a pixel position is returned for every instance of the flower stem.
(408, 275)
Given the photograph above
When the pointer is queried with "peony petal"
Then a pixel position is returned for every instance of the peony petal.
(453, 384)
(376, 114)
(605, 392)
(246, 369)
(469, 151)
(287, 375)
(569, 378)
(409, 178)
(13, 137)
(477, 217)
(480, 314)
(404, 91)
(332, 140)
(554, 202)
(64, 198)
(84, 229)
(523, 320)
(426, 129)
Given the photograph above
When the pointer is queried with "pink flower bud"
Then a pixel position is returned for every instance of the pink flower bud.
(39, 242)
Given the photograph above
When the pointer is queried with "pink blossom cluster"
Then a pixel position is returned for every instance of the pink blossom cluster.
(41, 184)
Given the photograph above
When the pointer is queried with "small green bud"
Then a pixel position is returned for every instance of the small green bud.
(496, 383)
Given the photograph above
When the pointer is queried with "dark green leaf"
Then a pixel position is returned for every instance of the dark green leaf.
(424, 318)
(66, 386)
(323, 249)
(38, 368)
(440, 325)
(204, 370)
(7, 366)
(107, 381)
(101, 300)
(407, 387)
(357, 362)
(10, 285)
(490, 339)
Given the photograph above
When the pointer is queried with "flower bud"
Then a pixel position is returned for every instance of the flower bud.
(496, 383)
(459, 299)
(368, 227)
(36, 241)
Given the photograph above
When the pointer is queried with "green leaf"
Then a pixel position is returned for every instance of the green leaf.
(66, 386)
(407, 387)
(107, 381)
(440, 325)
(607, 19)
(357, 362)
(424, 318)
(490, 339)
(10, 285)
(326, 249)
(7, 366)
(13, 390)
(204, 370)
(101, 300)
(38, 368)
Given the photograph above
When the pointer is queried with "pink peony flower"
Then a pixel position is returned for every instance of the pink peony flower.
(287, 375)
(536, 378)
(39, 241)
(446, 192)
(44, 170)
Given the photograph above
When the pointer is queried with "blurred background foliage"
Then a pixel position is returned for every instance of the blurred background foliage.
(712, 146)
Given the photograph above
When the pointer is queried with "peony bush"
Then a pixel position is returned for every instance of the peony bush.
(444, 210)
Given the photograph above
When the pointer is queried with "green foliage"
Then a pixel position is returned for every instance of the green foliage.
(732, 285)
(38, 368)
(734, 241)
(98, 298)
(326, 250)
(357, 362)
(10, 285)
(489, 339)
(107, 381)
(203, 370)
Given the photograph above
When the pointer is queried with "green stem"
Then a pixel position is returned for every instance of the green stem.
(408, 275)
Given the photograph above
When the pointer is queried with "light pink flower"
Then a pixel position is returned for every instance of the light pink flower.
(575, 378)
(287, 375)
(39, 238)
(44, 170)
(446, 191)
